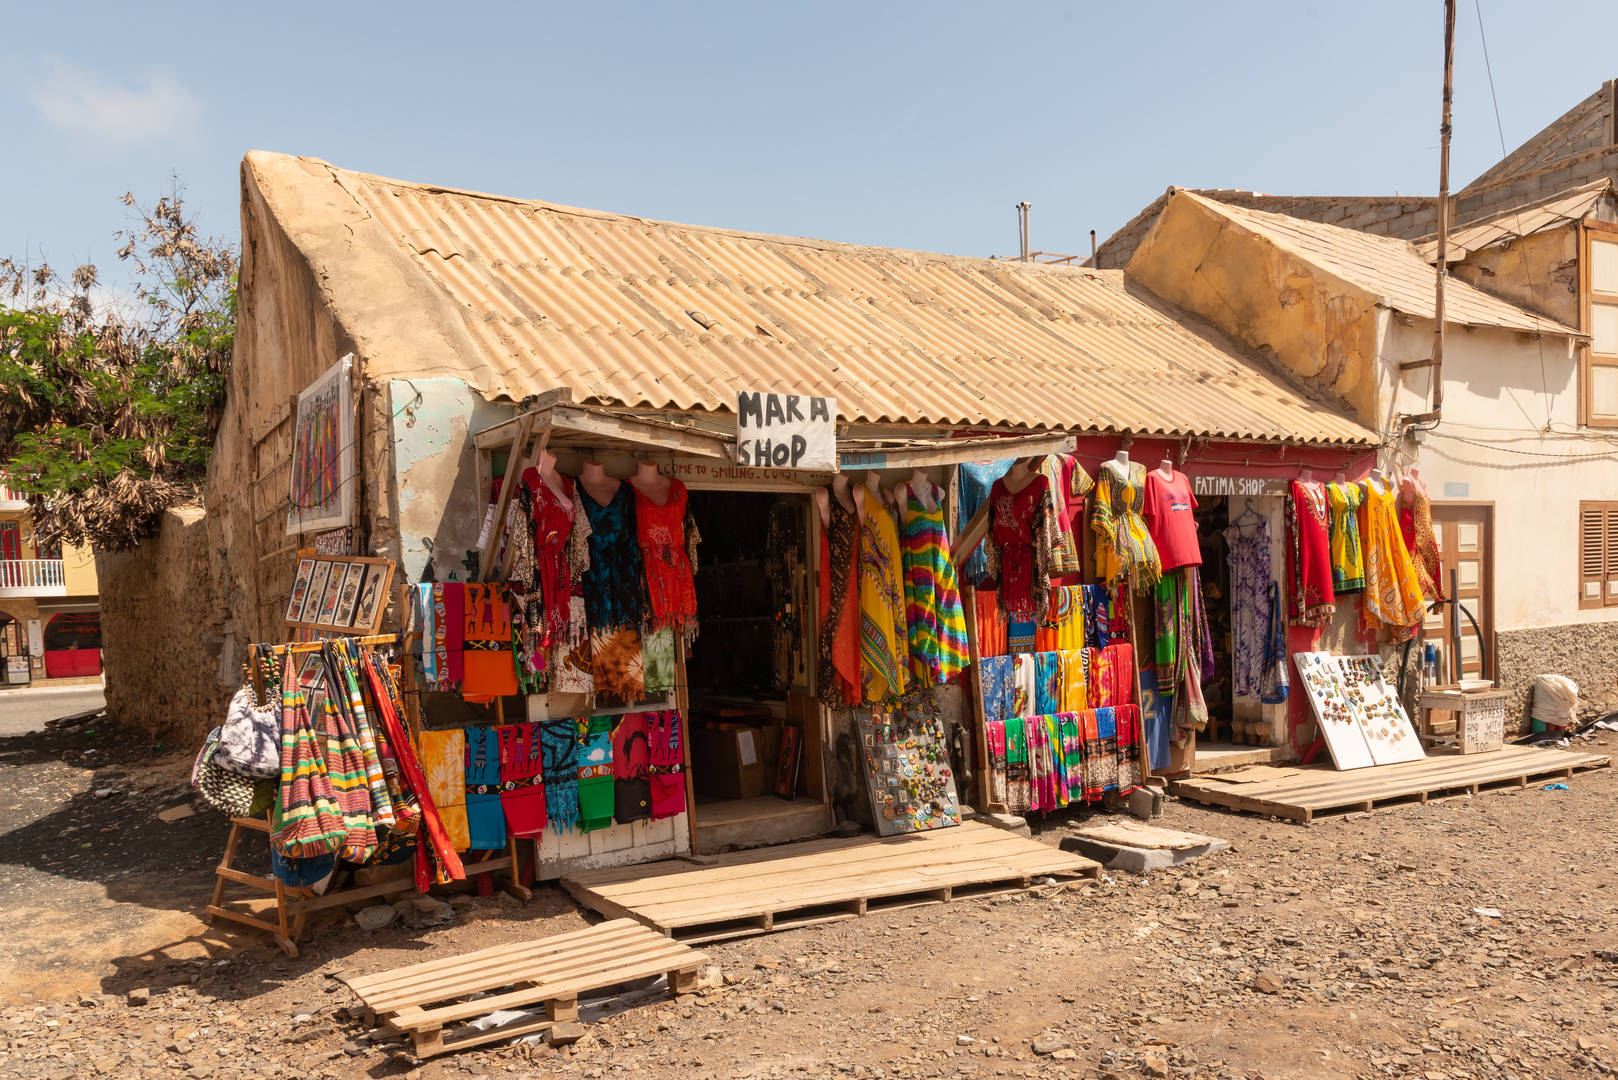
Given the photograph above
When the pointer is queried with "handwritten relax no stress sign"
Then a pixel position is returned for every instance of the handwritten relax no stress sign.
(786, 431)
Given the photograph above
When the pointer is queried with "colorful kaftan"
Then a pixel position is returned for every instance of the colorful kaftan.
(937, 625)
(882, 615)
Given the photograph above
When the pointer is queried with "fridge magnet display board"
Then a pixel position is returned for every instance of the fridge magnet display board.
(1359, 712)
(339, 592)
(907, 772)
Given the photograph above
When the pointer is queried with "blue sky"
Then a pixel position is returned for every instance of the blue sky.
(904, 124)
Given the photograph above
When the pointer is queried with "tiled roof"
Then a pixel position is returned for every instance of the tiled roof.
(1393, 269)
(517, 297)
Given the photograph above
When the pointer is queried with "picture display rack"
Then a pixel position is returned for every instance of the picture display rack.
(1359, 713)
(339, 594)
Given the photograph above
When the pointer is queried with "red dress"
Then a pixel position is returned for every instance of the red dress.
(666, 542)
(1018, 518)
(1313, 599)
(553, 527)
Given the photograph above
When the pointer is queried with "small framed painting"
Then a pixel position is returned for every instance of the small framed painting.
(300, 589)
(317, 589)
(372, 595)
(350, 593)
(326, 613)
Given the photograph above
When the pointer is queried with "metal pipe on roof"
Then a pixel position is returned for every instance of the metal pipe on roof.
(1093, 249)
(1022, 229)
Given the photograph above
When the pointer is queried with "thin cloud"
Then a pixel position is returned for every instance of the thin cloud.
(111, 116)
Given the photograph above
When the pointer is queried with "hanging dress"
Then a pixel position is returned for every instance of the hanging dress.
(1019, 547)
(560, 556)
(882, 615)
(668, 541)
(1123, 542)
(1347, 562)
(937, 624)
(1311, 600)
(1392, 592)
(1416, 526)
(614, 584)
(1069, 483)
(838, 670)
(1249, 561)
(974, 481)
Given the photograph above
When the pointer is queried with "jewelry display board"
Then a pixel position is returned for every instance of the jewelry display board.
(907, 771)
(1358, 711)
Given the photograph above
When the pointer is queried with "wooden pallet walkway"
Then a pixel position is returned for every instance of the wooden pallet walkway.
(422, 999)
(1320, 789)
(755, 892)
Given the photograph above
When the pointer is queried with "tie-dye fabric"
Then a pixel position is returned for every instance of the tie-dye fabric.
(1047, 683)
(443, 759)
(1024, 681)
(937, 625)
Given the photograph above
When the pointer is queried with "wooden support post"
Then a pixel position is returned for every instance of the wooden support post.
(561, 1010)
(513, 459)
(682, 703)
(500, 523)
(683, 981)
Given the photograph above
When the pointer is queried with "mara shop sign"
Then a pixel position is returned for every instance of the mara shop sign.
(786, 431)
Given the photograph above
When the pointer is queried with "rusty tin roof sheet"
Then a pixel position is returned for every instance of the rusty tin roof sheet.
(518, 296)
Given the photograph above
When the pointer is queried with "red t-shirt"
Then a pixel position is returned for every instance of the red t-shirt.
(1169, 518)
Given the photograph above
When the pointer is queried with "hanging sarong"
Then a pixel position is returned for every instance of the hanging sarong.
(1047, 683)
(668, 763)
(994, 732)
(1024, 684)
(1072, 756)
(489, 668)
(1094, 784)
(1018, 791)
(657, 661)
(486, 822)
(436, 860)
(1021, 637)
(595, 773)
(522, 779)
(308, 821)
(443, 758)
(559, 747)
(991, 628)
(1107, 748)
(616, 666)
(1101, 683)
(1121, 659)
(1127, 718)
(1075, 680)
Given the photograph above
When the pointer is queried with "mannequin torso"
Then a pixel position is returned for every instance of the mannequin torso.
(551, 478)
(840, 487)
(597, 484)
(651, 483)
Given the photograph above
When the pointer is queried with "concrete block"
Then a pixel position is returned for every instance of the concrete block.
(1145, 803)
(1009, 822)
(1137, 849)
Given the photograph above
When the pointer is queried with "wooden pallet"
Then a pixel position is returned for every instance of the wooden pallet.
(421, 1000)
(755, 892)
(1320, 789)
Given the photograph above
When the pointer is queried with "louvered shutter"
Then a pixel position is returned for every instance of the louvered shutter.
(1610, 557)
(1592, 556)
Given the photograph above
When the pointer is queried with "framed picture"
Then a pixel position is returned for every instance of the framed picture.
(322, 488)
(317, 589)
(326, 613)
(349, 594)
(370, 602)
(786, 767)
(300, 589)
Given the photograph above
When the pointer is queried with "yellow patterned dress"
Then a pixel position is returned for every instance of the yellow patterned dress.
(1347, 561)
(883, 647)
(1392, 594)
(1122, 542)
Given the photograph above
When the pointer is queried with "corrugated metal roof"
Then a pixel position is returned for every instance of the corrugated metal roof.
(1391, 268)
(1518, 222)
(520, 296)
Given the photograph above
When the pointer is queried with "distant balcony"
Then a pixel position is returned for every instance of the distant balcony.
(11, 498)
(32, 577)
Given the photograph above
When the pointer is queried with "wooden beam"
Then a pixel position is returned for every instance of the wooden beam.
(667, 437)
(506, 430)
(955, 451)
(971, 536)
(498, 530)
(500, 525)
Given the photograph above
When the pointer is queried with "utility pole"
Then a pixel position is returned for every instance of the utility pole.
(1443, 206)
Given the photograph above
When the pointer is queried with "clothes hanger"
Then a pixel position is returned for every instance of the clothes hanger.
(1241, 522)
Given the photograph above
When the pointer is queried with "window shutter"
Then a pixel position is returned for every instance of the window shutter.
(1610, 555)
(1592, 556)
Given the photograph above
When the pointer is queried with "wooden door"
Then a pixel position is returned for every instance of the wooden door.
(10, 540)
(1465, 544)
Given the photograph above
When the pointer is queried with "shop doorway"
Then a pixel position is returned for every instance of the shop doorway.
(755, 726)
(1464, 535)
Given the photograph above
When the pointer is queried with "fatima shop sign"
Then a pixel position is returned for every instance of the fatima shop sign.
(786, 431)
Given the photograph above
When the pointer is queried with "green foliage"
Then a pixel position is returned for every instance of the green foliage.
(108, 419)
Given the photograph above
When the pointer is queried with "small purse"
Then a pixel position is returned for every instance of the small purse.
(250, 738)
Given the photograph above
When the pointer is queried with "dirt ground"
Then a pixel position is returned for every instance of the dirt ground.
(1350, 948)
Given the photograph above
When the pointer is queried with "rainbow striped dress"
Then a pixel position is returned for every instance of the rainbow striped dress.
(933, 613)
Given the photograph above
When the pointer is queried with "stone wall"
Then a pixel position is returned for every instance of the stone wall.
(1587, 653)
(168, 646)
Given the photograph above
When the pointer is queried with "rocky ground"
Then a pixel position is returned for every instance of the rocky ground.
(1476, 937)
